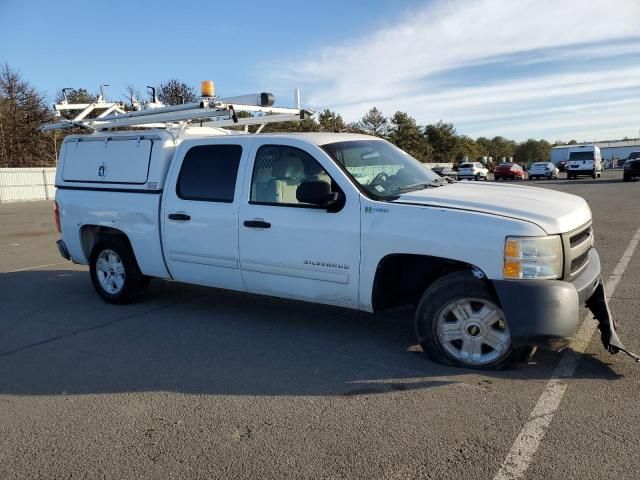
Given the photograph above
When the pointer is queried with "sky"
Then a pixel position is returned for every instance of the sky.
(559, 70)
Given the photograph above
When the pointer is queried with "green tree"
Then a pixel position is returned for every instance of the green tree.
(22, 111)
(572, 142)
(330, 121)
(374, 123)
(501, 147)
(407, 135)
(467, 147)
(483, 145)
(532, 151)
(175, 92)
(443, 141)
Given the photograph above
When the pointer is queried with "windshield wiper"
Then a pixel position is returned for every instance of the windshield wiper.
(420, 186)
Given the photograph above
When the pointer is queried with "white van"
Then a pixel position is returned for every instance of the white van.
(584, 160)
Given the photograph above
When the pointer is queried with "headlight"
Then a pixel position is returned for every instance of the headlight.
(533, 257)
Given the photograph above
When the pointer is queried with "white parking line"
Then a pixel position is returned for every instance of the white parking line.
(528, 441)
(35, 267)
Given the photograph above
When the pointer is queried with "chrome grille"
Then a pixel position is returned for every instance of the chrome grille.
(579, 262)
(577, 244)
(580, 237)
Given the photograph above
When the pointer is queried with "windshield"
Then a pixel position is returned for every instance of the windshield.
(466, 165)
(540, 165)
(581, 155)
(634, 155)
(381, 168)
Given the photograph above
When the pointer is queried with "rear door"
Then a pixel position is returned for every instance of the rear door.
(200, 212)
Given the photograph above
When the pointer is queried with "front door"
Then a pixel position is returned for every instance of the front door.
(200, 213)
(292, 249)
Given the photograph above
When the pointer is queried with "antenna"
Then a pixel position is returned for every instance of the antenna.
(296, 98)
(64, 94)
(154, 99)
(102, 98)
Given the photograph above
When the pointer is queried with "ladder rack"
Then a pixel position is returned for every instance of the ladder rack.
(219, 112)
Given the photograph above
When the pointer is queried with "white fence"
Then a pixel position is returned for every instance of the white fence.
(20, 184)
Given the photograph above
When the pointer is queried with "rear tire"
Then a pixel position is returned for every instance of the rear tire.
(114, 272)
(459, 323)
(626, 178)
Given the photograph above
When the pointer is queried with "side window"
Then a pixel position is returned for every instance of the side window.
(209, 173)
(279, 170)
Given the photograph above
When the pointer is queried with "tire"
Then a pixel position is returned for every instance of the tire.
(626, 178)
(435, 319)
(496, 178)
(114, 272)
(477, 177)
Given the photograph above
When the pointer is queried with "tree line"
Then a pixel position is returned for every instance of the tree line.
(23, 109)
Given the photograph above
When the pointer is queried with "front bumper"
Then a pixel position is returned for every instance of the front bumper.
(545, 313)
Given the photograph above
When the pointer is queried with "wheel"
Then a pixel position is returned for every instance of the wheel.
(459, 322)
(496, 178)
(477, 177)
(114, 272)
(626, 178)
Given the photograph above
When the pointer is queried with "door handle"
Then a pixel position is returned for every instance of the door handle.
(256, 224)
(179, 216)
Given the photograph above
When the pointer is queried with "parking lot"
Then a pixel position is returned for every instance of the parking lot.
(202, 383)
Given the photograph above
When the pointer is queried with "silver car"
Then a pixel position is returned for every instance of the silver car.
(544, 170)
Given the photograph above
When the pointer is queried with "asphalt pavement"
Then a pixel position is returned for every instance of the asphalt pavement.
(194, 382)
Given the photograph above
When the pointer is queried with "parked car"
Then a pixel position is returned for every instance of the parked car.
(292, 216)
(446, 172)
(631, 168)
(472, 171)
(562, 165)
(543, 170)
(584, 160)
(509, 170)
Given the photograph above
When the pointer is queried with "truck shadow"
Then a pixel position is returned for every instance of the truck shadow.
(57, 337)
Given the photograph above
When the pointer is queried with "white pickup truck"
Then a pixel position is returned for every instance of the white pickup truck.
(339, 219)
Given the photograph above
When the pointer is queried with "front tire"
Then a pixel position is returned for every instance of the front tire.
(114, 272)
(460, 323)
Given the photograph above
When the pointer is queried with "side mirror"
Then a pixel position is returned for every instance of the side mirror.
(316, 192)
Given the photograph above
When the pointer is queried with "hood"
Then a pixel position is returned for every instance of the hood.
(555, 212)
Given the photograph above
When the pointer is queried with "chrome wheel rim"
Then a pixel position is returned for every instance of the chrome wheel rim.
(473, 331)
(110, 271)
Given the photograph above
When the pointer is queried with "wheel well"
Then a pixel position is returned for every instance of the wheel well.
(92, 234)
(401, 279)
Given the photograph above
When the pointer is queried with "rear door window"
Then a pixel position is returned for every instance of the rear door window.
(209, 173)
(581, 155)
